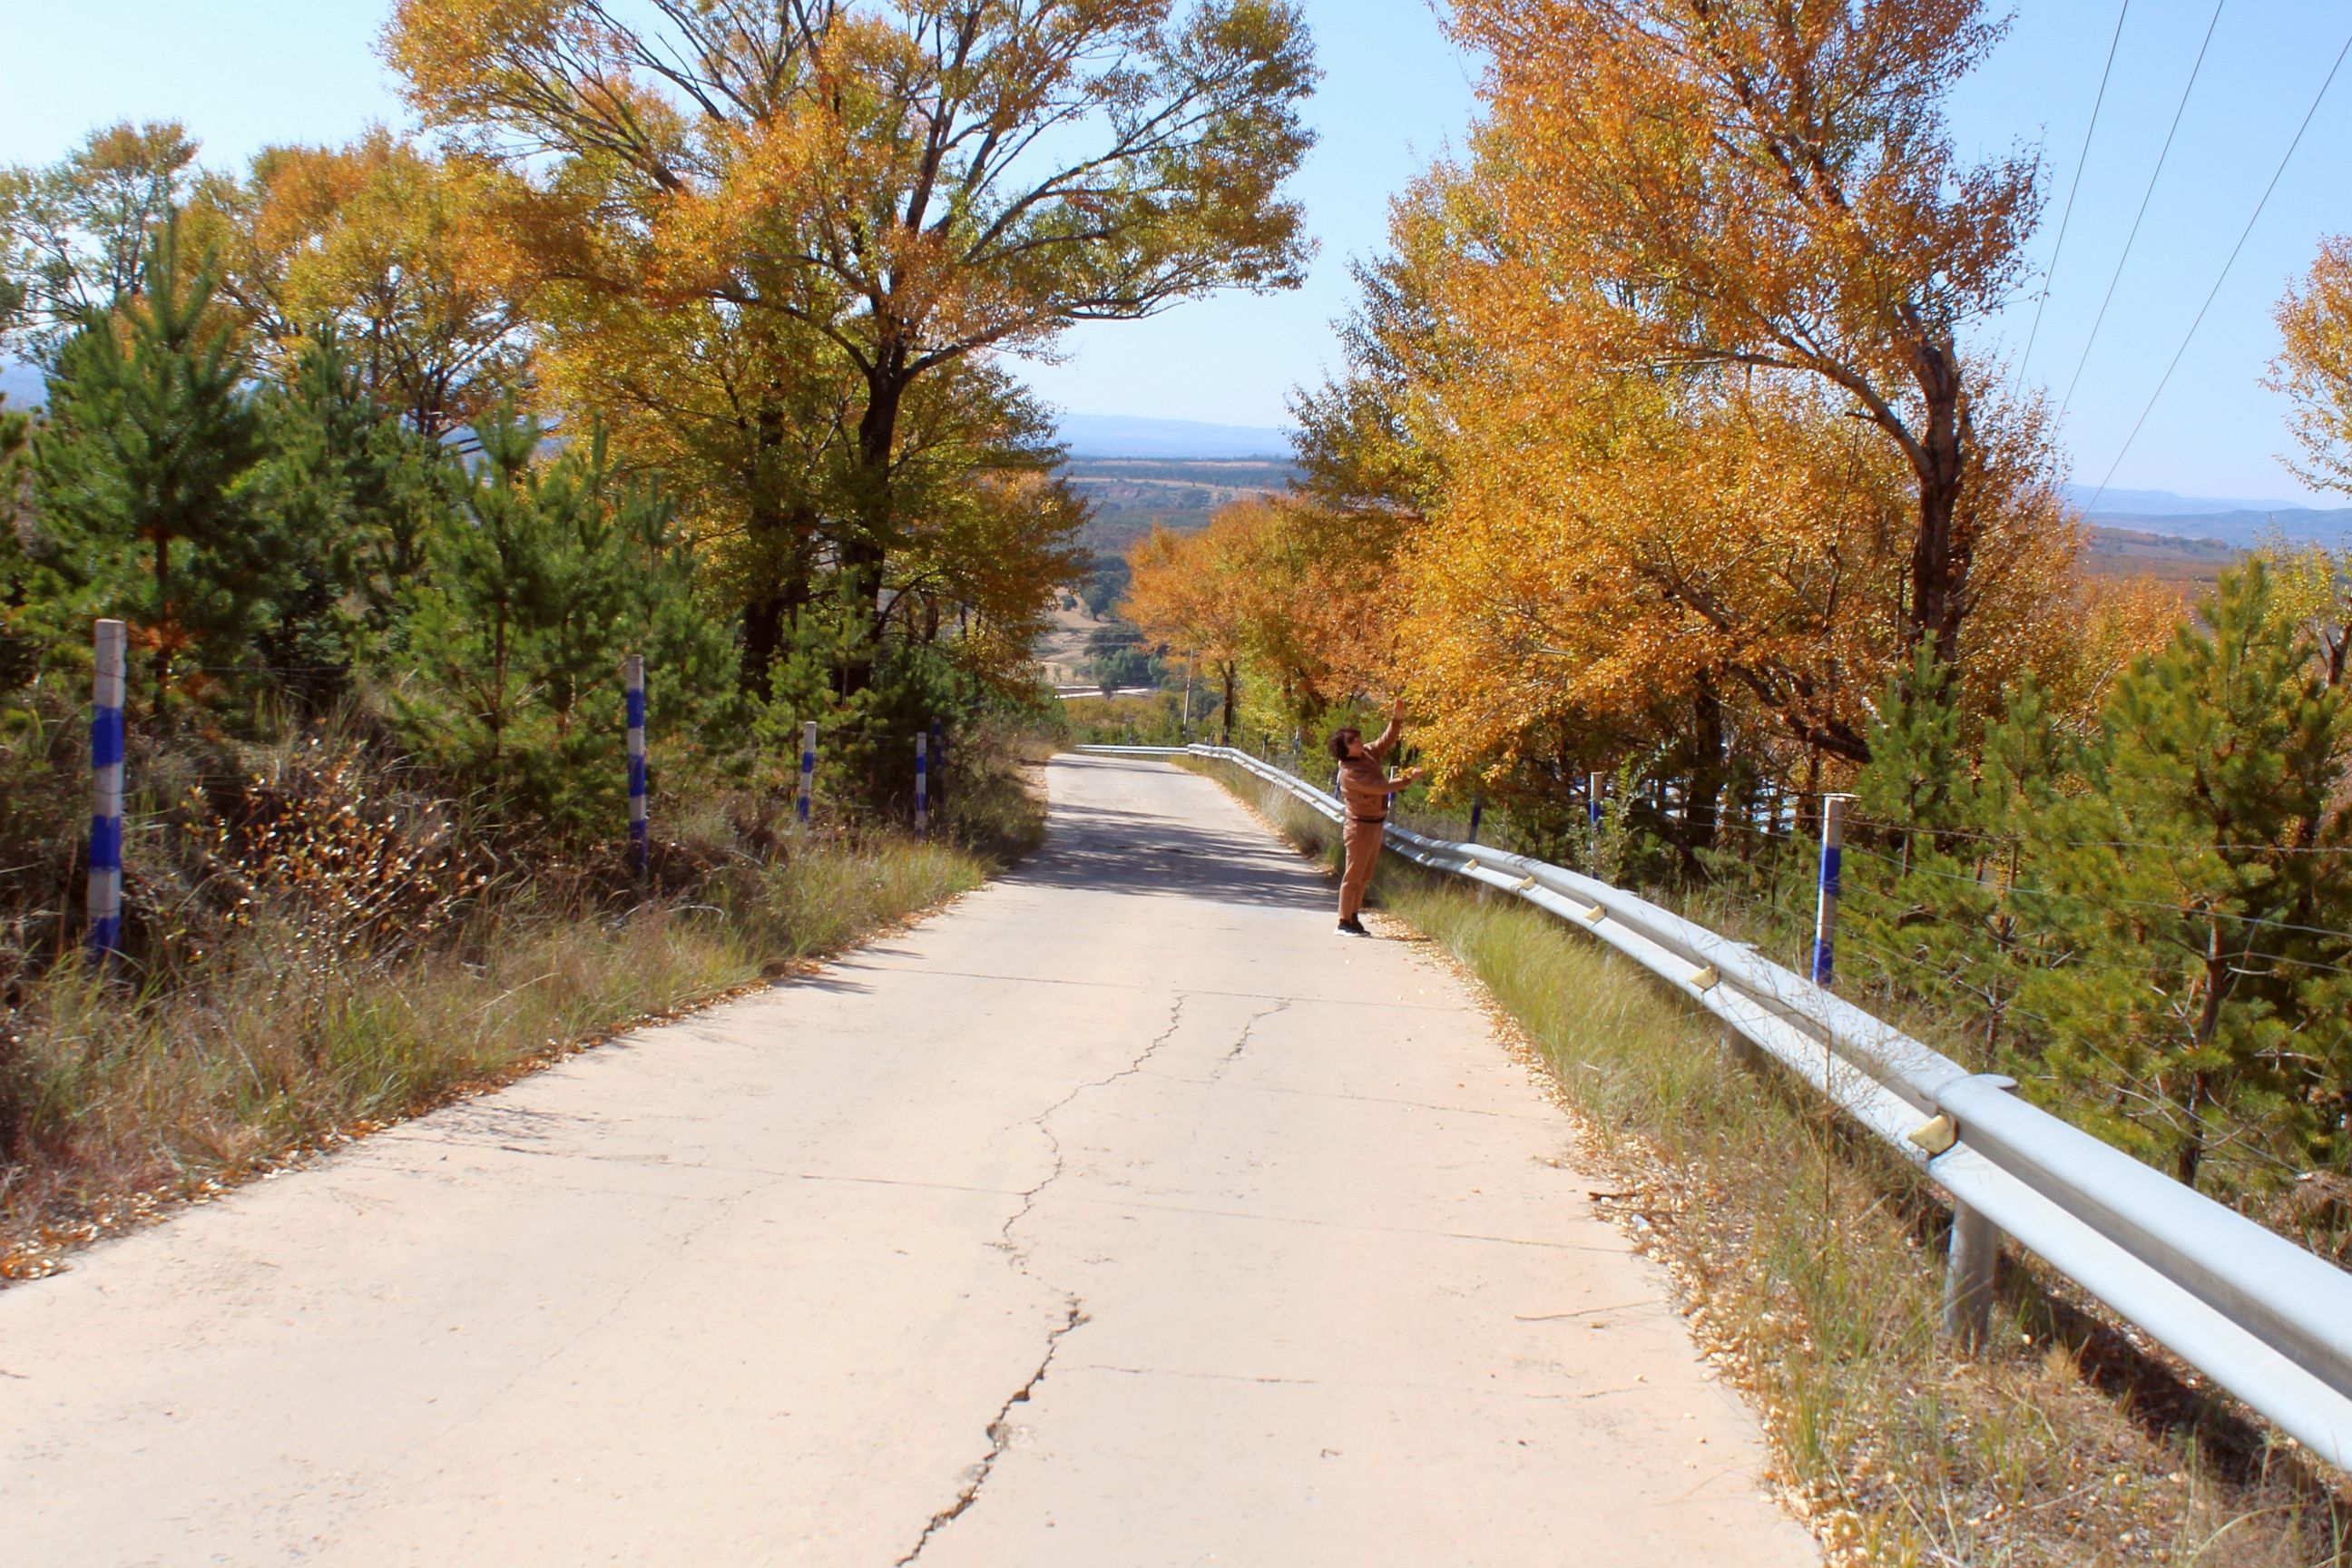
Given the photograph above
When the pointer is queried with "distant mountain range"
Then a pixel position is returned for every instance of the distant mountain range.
(2164, 503)
(1126, 436)
(2230, 521)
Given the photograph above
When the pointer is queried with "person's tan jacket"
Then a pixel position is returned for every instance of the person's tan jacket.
(1364, 782)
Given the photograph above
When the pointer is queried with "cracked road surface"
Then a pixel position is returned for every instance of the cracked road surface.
(1121, 1216)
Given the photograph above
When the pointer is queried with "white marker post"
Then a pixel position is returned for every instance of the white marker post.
(632, 672)
(939, 765)
(923, 784)
(106, 738)
(1831, 884)
(808, 775)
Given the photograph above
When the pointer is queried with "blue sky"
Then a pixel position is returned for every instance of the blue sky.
(243, 73)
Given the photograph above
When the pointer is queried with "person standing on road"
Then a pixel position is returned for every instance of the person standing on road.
(1364, 789)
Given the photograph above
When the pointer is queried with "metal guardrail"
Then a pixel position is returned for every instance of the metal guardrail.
(2261, 1317)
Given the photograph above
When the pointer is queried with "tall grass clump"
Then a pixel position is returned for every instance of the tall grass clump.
(1809, 1262)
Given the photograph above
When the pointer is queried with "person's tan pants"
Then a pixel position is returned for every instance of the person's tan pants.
(1364, 841)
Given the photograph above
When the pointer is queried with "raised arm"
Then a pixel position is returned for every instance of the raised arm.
(1389, 736)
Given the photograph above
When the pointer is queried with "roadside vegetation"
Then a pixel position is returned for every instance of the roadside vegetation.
(662, 339)
(1808, 1263)
(1671, 448)
(347, 951)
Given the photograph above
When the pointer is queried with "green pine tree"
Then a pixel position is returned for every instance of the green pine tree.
(346, 499)
(1939, 848)
(2197, 999)
(19, 653)
(140, 468)
(505, 663)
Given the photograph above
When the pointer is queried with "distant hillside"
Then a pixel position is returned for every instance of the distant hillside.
(2131, 552)
(1131, 495)
(2167, 503)
(2240, 530)
(2232, 521)
(1124, 436)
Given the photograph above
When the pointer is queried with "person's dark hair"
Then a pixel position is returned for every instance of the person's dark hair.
(1340, 739)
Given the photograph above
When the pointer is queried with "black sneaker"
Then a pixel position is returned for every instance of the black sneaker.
(1353, 927)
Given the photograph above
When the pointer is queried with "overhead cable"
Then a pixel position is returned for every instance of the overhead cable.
(2067, 213)
(2113, 278)
(2243, 234)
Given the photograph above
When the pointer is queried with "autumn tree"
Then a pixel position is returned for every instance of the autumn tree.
(1774, 188)
(1181, 596)
(1249, 598)
(75, 234)
(750, 422)
(402, 254)
(912, 184)
(2314, 367)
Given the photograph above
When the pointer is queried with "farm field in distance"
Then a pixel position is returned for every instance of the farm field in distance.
(1130, 494)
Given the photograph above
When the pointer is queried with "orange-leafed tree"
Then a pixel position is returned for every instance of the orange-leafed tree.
(1713, 185)
(912, 184)
(2314, 367)
(1185, 594)
(406, 255)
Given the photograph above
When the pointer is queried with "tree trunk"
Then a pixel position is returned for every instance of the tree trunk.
(780, 544)
(763, 638)
(1942, 551)
(867, 550)
(1227, 734)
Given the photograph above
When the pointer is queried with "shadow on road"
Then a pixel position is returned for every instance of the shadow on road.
(1150, 855)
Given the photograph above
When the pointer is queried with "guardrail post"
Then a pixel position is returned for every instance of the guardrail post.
(111, 642)
(632, 677)
(808, 775)
(1833, 881)
(1968, 1277)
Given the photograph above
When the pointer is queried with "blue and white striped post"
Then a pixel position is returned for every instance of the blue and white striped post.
(1477, 814)
(808, 774)
(1832, 880)
(923, 784)
(939, 764)
(632, 670)
(106, 793)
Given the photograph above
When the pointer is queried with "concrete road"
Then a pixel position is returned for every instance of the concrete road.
(1122, 1217)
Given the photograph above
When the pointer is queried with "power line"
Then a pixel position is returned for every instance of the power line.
(2243, 235)
(2116, 277)
(2066, 214)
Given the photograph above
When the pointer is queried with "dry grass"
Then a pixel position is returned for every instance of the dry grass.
(1808, 1263)
(125, 1102)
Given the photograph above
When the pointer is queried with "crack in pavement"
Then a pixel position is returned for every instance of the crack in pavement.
(1000, 1431)
(1217, 1073)
(1000, 1437)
